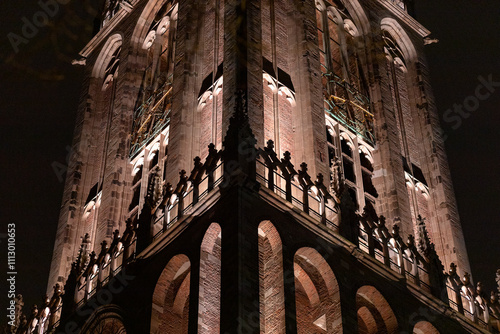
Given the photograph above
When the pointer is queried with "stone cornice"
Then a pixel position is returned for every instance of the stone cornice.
(405, 17)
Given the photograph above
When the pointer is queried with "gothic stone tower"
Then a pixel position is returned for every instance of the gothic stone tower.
(319, 200)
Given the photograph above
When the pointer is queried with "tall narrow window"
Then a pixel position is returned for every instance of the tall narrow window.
(401, 89)
(346, 101)
(152, 113)
(344, 85)
(100, 118)
(136, 186)
(374, 312)
(397, 77)
(170, 309)
(316, 293)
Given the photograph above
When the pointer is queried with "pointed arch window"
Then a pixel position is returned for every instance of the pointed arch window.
(400, 84)
(344, 84)
(152, 113)
(351, 160)
(397, 78)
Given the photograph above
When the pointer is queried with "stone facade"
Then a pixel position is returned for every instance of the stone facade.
(343, 86)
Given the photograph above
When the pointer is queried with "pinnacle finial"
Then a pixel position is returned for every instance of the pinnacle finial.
(287, 156)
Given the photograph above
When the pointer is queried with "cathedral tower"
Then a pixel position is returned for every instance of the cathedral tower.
(269, 166)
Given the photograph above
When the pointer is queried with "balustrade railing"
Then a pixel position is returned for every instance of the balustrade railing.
(373, 237)
(471, 301)
(94, 273)
(171, 212)
(321, 202)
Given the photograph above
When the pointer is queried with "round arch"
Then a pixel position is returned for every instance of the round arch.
(210, 281)
(374, 313)
(271, 284)
(424, 327)
(317, 294)
(170, 309)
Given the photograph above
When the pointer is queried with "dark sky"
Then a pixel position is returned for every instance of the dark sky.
(40, 91)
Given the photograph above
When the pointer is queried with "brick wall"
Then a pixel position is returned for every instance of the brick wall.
(210, 280)
(272, 303)
(170, 307)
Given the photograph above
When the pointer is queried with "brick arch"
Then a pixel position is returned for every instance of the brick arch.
(170, 309)
(375, 316)
(210, 281)
(317, 294)
(106, 319)
(272, 295)
(424, 327)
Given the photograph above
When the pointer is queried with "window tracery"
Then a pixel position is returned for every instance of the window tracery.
(152, 113)
(344, 84)
(351, 160)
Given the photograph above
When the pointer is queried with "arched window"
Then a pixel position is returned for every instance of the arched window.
(397, 72)
(210, 281)
(152, 113)
(317, 294)
(153, 159)
(346, 99)
(170, 309)
(344, 84)
(272, 299)
(400, 64)
(374, 313)
(104, 76)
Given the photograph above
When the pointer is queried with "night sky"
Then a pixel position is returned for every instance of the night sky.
(40, 91)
